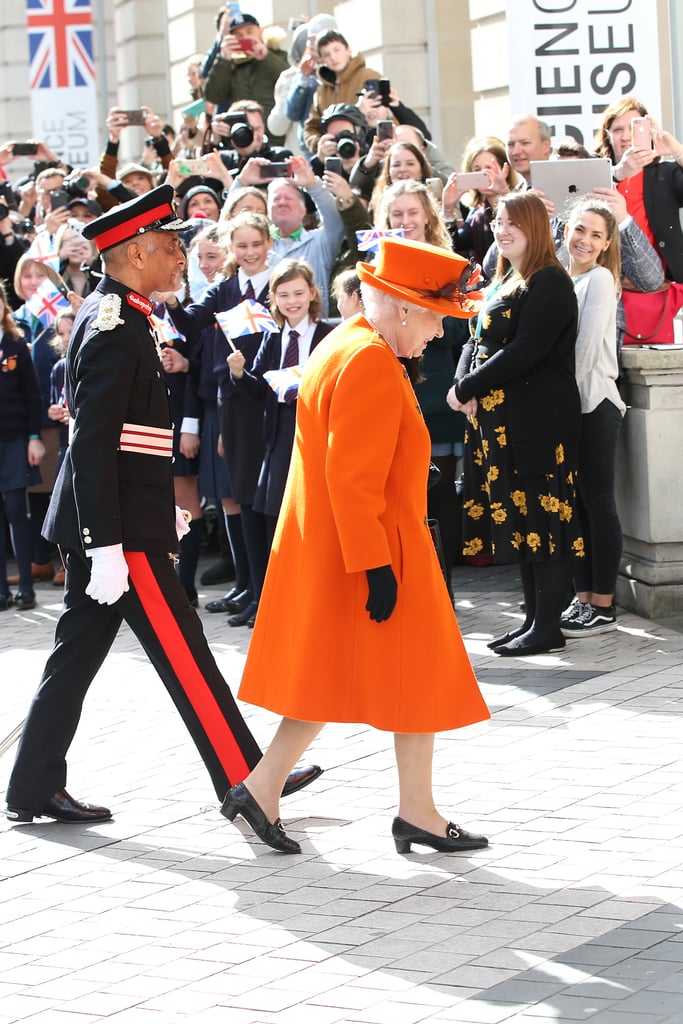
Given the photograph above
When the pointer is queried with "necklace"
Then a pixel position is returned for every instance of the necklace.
(377, 331)
(496, 288)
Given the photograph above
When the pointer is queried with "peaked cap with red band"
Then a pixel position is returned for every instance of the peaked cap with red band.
(152, 211)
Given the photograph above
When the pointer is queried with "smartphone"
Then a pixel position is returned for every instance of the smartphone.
(275, 170)
(246, 44)
(385, 89)
(435, 186)
(25, 148)
(134, 116)
(334, 164)
(198, 165)
(641, 133)
(59, 198)
(385, 130)
(371, 85)
(473, 179)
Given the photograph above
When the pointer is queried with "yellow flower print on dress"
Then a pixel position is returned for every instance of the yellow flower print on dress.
(478, 457)
(566, 512)
(534, 541)
(473, 547)
(493, 399)
(549, 503)
(559, 454)
(498, 513)
(501, 437)
(473, 511)
(519, 499)
(492, 474)
(485, 446)
(507, 313)
(517, 540)
(579, 548)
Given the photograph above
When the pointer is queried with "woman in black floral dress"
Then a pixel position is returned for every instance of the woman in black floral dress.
(516, 382)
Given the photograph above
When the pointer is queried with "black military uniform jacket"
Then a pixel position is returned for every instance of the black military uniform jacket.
(108, 490)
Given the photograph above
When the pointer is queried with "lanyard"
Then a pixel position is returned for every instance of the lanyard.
(492, 293)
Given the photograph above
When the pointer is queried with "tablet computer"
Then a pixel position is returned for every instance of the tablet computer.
(565, 181)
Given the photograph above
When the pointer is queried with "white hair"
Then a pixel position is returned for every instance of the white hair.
(378, 302)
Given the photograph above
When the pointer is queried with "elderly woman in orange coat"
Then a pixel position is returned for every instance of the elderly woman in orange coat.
(353, 582)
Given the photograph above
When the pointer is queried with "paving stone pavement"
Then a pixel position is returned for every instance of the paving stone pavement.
(170, 913)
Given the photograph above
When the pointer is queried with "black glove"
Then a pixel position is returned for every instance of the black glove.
(382, 592)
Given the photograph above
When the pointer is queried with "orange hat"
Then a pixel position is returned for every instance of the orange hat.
(424, 275)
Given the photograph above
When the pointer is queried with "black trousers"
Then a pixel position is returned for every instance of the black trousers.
(157, 610)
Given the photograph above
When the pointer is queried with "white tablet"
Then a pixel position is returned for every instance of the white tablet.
(564, 181)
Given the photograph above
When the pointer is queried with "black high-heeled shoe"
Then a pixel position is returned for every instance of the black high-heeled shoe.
(240, 801)
(455, 839)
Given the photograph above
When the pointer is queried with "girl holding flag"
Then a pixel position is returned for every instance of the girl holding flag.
(275, 374)
(238, 303)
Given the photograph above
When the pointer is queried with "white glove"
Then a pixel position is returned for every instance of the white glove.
(182, 522)
(108, 575)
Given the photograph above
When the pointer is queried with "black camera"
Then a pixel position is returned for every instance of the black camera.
(76, 185)
(241, 133)
(7, 195)
(347, 144)
(4, 210)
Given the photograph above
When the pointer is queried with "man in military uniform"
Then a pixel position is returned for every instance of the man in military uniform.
(113, 515)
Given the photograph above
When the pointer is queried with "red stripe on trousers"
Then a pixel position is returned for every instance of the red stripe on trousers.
(181, 659)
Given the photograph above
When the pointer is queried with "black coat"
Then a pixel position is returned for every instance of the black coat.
(103, 495)
(663, 198)
(536, 369)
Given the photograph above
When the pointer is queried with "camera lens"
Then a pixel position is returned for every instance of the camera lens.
(346, 149)
(242, 135)
(77, 187)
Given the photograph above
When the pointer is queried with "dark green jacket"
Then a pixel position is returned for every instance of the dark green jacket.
(230, 81)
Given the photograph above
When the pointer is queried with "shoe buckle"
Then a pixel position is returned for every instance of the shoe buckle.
(452, 832)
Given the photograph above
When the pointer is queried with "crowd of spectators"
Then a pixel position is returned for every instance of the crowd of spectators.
(306, 151)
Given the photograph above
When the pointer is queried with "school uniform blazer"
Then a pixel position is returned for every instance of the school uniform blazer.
(269, 357)
(104, 495)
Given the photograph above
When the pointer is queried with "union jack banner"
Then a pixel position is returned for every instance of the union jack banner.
(60, 43)
(46, 303)
(249, 317)
(368, 241)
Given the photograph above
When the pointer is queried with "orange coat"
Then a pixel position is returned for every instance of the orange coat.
(356, 498)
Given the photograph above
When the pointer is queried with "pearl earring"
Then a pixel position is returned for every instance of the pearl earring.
(404, 323)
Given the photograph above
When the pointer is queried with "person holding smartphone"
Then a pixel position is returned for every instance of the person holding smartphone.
(648, 171)
(247, 66)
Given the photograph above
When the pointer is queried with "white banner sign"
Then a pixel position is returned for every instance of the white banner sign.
(569, 59)
(62, 78)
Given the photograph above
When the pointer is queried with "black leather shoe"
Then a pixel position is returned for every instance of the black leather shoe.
(300, 778)
(520, 648)
(61, 807)
(221, 572)
(243, 618)
(6, 601)
(240, 801)
(225, 603)
(240, 602)
(506, 638)
(455, 839)
(24, 602)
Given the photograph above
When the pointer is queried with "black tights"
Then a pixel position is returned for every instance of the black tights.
(546, 587)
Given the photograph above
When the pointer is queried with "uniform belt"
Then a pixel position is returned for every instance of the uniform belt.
(144, 440)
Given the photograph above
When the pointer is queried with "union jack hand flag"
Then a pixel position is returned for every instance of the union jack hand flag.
(249, 317)
(46, 303)
(168, 332)
(60, 42)
(368, 241)
(285, 382)
(42, 250)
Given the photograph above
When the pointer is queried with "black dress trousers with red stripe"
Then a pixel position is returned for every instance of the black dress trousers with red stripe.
(107, 495)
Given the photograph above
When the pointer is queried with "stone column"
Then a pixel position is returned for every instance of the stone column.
(650, 483)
